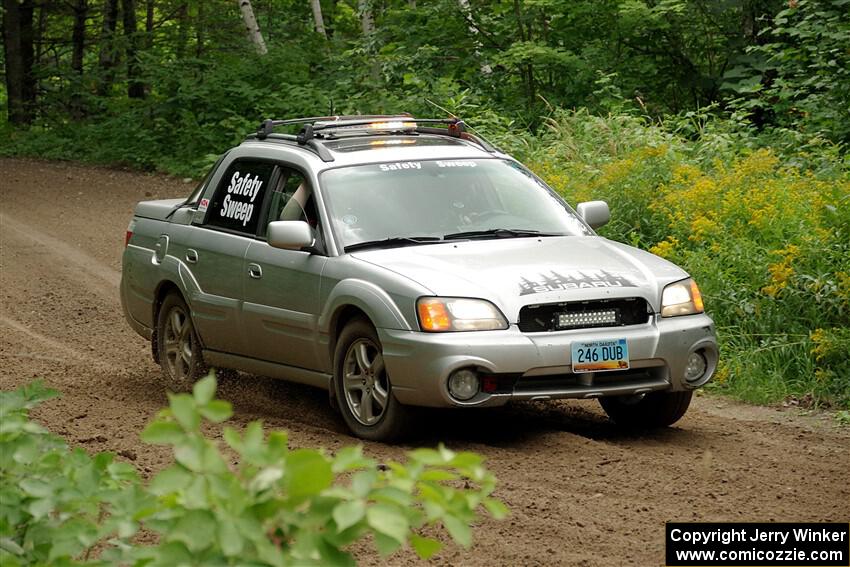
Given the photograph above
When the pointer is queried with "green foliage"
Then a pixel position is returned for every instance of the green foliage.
(257, 503)
(56, 504)
(520, 56)
(513, 62)
(799, 76)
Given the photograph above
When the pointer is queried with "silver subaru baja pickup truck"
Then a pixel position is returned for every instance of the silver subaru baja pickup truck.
(400, 262)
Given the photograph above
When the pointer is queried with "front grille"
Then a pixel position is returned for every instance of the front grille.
(583, 314)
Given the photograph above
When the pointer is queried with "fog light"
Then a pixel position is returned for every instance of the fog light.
(696, 367)
(463, 384)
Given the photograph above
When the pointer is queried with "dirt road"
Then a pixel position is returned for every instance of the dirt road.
(581, 492)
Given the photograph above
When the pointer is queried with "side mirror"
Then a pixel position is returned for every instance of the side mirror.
(290, 235)
(594, 213)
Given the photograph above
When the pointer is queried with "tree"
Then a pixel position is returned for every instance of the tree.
(316, 5)
(251, 26)
(135, 87)
(149, 13)
(78, 36)
(108, 52)
(473, 31)
(367, 18)
(18, 49)
(367, 25)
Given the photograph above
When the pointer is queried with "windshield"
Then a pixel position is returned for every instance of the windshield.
(413, 201)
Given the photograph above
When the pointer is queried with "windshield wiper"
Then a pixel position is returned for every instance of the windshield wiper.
(500, 233)
(393, 241)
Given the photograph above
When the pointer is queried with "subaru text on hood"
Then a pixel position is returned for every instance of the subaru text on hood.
(400, 262)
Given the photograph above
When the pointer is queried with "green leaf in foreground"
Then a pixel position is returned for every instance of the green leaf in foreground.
(162, 433)
(459, 531)
(196, 529)
(229, 539)
(204, 389)
(388, 520)
(347, 514)
(185, 411)
(217, 411)
(496, 508)
(425, 547)
(172, 479)
(307, 474)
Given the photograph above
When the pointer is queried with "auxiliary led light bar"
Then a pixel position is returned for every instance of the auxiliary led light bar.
(587, 319)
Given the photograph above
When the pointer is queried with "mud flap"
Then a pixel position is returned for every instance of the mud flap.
(332, 394)
(154, 350)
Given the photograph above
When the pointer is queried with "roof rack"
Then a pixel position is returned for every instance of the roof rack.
(313, 128)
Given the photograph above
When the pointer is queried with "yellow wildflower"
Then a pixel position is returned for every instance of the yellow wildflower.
(701, 228)
(665, 248)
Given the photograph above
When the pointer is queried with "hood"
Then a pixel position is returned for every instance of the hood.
(513, 272)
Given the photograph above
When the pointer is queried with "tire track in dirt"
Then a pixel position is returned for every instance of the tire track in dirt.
(51, 345)
(89, 269)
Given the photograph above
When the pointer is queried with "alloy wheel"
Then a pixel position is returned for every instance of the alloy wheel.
(365, 382)
(178, 344)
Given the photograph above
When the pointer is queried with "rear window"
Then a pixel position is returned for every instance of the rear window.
(238, 200)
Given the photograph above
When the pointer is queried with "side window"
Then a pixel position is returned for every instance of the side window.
(238, 200)
(292, 199)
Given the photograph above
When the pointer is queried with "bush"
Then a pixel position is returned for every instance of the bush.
(258, 503)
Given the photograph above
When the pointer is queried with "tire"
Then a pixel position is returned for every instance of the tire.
(652, 410)
(179, 349)
(361, 383)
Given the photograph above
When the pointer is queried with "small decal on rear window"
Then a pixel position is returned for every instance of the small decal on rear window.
(203, 205)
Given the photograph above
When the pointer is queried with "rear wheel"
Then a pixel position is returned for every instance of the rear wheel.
(178, 346)
(363, 388)
(655, 409)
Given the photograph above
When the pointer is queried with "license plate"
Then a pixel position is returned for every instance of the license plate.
(600, 356)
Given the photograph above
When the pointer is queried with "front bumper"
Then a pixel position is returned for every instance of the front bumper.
(539, 366)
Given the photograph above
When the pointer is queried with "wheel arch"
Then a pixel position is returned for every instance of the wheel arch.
(352, 298)
(341, 317)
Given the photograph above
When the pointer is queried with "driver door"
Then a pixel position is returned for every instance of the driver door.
(281, 287)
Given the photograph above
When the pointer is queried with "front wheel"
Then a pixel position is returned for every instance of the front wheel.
(363, 388)
(178, 346)
(655, 409)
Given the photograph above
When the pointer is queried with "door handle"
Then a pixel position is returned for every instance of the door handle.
(192, 256)
(255, 271)
(160, 249)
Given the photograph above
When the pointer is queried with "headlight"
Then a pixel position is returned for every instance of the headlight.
(681, 298)
(439, 314)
